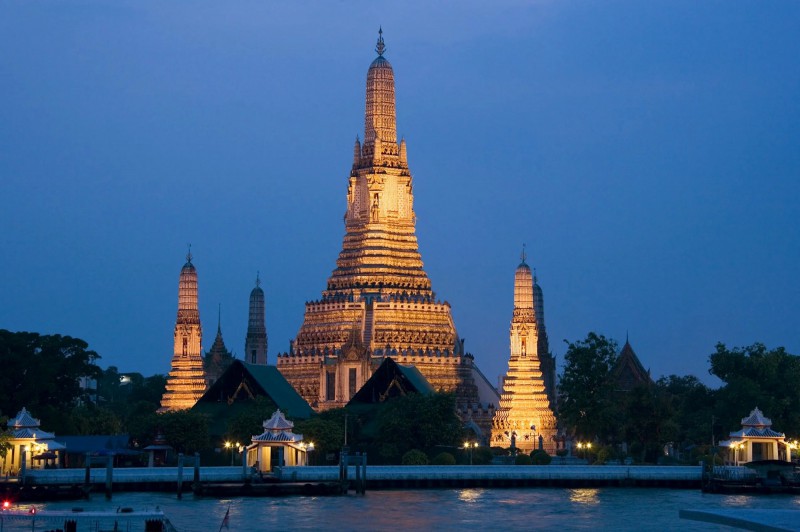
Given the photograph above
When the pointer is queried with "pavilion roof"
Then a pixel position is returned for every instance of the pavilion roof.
(24, 419)
(32, 433)
(756, 419)
(282, 436)
(278, 422)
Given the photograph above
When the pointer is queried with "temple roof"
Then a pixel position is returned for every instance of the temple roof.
(241, 380)
(278, 422)
(392, 380)
(628, 372)
(23, 419)
(756, 419)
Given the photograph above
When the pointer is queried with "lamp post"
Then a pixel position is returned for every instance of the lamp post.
(470, 446)
(308, 448)
(232, 446)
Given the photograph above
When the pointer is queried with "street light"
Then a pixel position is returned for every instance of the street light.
(232, 446)
(470, 445)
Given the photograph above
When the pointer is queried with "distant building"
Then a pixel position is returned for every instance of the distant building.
(628, 371)
(378, 301)
(218, 358)
(255, 344)
(186, 381)
(239, 386)
(757, 441)
(525, 417)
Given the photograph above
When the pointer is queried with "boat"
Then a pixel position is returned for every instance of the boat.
(79, 520)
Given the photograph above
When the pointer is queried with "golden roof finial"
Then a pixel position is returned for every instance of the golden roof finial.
(380, 48)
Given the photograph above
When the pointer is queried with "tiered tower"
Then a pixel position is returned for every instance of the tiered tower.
(525, 415)
(378, 300)
(546, 359)
(255, 344)
(218, 358)
(186, 381)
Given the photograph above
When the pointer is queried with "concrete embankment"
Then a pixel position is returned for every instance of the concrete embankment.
(383, 477)
(377, 477)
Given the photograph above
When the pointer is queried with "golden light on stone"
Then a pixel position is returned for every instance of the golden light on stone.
(525, 408)
(186, 381)
(378, 301)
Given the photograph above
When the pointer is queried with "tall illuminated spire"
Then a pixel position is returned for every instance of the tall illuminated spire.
(186, 381)
(380, 122)
(525, 410)
(379, 282)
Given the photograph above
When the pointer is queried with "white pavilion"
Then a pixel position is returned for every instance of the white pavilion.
(277, 445)
(30, 445)
(757, 441)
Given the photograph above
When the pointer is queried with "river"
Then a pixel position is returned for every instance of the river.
(446, 509)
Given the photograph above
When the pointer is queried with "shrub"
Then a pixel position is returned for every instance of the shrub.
(415, 457)
(522, 459)
(482, 456)
(603, 454)
(562, 452)
(540, 457)
(444, 458)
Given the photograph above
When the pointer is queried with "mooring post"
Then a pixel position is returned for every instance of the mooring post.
(180, 475)
(87, 478)
(344, 459)
(23, 467)
(196, 480)
(364, 473)
(109, 474)
(358, 473)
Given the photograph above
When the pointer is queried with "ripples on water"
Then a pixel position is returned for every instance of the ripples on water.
(503, 509)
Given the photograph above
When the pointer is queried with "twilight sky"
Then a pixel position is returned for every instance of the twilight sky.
(648, 154)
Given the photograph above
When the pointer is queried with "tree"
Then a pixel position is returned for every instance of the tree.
(91, 419)
(417, 421)
(28, 360)
(326, 434)
(757, 377)
(587, 402)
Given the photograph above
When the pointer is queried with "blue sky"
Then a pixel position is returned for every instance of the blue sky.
(648, 154)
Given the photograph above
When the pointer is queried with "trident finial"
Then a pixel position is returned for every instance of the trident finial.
(258, 278)
(380, 48)
(189, 253)
(522, 255)
(219, 317)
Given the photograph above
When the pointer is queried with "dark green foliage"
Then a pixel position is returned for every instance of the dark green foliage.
(248, 419)
(415, 457)
(444, 458)
(325, 432)
(28, 360)
(416, 421)
(587, 394)
(186, 431)
(522, 459)
(540, 457)
(755, 376)
(482, 456)
(91, 419)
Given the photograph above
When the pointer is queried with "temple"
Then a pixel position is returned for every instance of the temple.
(378, 301)
(186, 381)
(628, 371)
(255, 343)
(218, 358)
(525, 419)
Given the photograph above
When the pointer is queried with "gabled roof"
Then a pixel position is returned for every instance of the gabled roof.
(392, 380)
(628, 372)
(243, 381)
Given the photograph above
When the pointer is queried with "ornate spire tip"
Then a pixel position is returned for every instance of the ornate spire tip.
(380, 48)
(189, 254)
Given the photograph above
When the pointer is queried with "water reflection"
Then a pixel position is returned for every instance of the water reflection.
(586, 496)
(469, 495)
